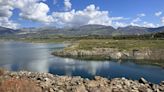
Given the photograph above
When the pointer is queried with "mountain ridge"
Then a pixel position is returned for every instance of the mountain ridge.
(6, 31)
(83, 30)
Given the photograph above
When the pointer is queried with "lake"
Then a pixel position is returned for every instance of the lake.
(36, 57)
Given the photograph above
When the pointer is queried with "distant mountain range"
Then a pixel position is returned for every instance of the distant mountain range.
(81, 31)
(7, 31)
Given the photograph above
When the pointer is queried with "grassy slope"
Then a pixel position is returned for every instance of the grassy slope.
(89, 44)
(120, 44)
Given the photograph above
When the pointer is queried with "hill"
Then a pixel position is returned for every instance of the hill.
(84, 30)
(7, 31)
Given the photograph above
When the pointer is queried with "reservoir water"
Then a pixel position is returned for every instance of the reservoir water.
(36, 57)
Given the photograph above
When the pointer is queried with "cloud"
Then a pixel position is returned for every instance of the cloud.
(5, 22)
(147, 24)
(162, 20)
(136, 20)
(119, 24)
(38, 11)
(30, 9)
(124, 24)
(158, 13)
(118, 18)
(90, 15)
(6, 13)
(141, 15)
(67, 5)
(34, 10)
(139, 22)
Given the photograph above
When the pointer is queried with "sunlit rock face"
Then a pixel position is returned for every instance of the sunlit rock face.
(114, 53)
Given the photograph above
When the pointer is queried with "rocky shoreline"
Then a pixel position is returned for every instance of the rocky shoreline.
(54, 83)
(113, 53)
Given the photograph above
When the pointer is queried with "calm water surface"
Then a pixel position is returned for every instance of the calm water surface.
(37, 57)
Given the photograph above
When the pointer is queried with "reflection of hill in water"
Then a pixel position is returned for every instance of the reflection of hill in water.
(150, 62)
(159, 63)
(109, 69)
(143, 62)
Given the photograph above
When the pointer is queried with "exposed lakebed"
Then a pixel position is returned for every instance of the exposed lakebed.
(36, 57)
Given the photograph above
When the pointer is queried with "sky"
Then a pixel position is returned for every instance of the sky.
(71, 13)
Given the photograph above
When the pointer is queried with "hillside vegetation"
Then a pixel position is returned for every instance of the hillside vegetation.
(89, 44)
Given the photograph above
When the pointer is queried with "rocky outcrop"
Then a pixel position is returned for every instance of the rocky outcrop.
(114, 53)
(54, 83)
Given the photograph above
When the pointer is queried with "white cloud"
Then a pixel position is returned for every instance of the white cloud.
(90, 15)
(30, 9)
(34, 10)
(136, 20)
(6, 13)
(5, 22)
(147, 24)
(119, 24)
(158, 13)
(144, 24)
(162, 20)
(118, 18)
(139, 22)
(67, 5)
(141, 15)
(134, 24)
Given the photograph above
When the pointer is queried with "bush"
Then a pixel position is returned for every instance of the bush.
(2, 71)
(19, 85)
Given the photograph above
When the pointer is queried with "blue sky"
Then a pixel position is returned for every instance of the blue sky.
(63, 13)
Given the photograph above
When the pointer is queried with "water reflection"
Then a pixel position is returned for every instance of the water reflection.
(70, 65)
(37, 57)
(25, 56)
(109, 69)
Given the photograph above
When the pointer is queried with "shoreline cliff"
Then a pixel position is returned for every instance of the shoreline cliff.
(113, 53)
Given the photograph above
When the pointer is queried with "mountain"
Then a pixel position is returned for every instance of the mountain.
(80, 31)
(7, 31)
(93, 30)
(156, 30)
(133, 30)
(74, 31)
